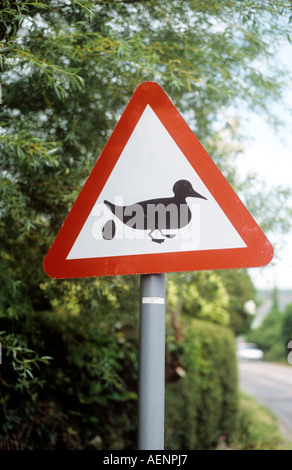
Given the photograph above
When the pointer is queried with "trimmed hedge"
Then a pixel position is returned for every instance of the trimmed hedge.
(201, 408)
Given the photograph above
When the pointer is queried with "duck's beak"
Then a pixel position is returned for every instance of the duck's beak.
(195, 194)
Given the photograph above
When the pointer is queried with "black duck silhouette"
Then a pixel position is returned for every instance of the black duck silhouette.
(169, 213)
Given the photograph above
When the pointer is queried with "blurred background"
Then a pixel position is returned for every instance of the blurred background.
(69, 368)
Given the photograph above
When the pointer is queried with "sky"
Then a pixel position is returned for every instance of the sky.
(269, 154)
(271, 158)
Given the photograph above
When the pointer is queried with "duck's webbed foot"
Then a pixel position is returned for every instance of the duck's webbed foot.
(156, 240)
(169, 235)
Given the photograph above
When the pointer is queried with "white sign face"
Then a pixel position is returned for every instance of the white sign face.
(175, 219)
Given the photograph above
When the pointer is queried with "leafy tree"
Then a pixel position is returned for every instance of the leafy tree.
(268, 336)
(287, 327)
(202, 295)
(269, 333)
(68, 69)
(240, 290)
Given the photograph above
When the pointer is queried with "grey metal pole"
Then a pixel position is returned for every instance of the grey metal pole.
(152, 363)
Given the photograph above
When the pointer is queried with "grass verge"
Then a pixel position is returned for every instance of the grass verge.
(258, 428)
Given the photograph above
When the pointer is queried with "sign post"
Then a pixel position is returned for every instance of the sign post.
(152, 363)
(155, 202)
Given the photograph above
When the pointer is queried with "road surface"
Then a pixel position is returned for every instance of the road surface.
(271, 385)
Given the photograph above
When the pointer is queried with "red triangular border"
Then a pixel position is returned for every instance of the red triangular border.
(258, 252)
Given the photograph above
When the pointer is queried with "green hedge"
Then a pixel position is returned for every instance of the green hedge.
(89, 392)
(201, 408)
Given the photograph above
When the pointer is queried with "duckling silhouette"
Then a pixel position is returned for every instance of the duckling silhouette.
(169, 213)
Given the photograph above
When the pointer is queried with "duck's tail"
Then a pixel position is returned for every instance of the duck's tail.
(110, 205)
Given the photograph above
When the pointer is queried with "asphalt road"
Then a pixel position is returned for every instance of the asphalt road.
(271, 385)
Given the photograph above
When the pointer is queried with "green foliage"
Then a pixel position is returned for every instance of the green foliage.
(269, 333)
(68, 68)
(202, 406)
(202, 295)
(240, 290)
(22, 360)
(257, 428)
(274, 333)
(90, 388)
(287, 326)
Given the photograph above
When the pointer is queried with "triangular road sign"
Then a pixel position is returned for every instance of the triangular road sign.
(155, 202)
